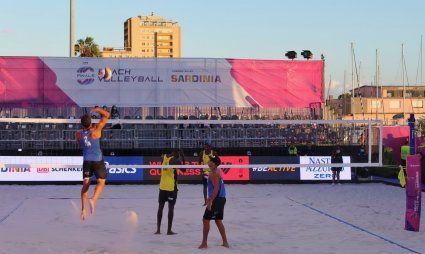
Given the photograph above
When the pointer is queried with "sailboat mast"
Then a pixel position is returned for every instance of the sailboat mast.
(352, 70)
(422, 67)
(376, 83)
(402, 78)
(343, 94)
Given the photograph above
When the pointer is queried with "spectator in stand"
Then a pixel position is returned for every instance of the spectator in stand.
(292, 150)
(388, 157)
(94, 114)
(115, 114)
(309, 150)
(361, 140)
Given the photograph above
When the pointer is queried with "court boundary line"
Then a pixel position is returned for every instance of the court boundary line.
(13, 210)
(354, 226)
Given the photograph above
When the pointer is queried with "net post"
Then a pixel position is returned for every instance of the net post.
(370, 140)
(381, 137)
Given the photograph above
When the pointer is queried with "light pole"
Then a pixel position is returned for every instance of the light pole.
(71, 29)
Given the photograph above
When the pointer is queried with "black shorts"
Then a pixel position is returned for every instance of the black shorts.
(204, 178)
(167, 196)
(204, 181)
(94, 167)
(217, 210)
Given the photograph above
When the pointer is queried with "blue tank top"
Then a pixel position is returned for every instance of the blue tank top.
(221, 189)
(91, 147)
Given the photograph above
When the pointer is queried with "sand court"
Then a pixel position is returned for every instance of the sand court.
(274, 218)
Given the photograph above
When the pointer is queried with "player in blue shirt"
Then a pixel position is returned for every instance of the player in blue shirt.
(93, 163)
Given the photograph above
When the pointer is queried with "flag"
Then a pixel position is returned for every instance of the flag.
(401, 177)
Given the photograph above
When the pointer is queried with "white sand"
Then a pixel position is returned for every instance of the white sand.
(258, 219)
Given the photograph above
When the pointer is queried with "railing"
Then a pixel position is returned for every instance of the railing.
(157, 136)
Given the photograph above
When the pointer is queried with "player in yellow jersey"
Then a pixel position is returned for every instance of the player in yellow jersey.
(204, 158)
(168, 188)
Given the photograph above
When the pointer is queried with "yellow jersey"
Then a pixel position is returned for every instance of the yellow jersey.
(168, 180)
(205, 160)
(405, 150)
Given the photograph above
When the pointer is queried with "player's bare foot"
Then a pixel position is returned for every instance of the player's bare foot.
(203, 246)
(157, 232)
(92, 206)
(171, 233)
(83, 214)
(226, 244)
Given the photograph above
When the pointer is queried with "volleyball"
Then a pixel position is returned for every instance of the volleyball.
(132, 218)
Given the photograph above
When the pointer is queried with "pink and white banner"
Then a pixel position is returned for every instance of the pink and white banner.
(413, 192)
(48, 81)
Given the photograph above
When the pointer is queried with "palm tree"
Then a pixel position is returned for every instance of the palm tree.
(87, 48)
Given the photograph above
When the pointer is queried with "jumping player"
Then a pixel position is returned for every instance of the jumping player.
(168, 189)
(93, 162)
(204, 158)
(215, 203)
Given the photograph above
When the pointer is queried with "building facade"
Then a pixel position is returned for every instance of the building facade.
(388, 103)
(148, 37)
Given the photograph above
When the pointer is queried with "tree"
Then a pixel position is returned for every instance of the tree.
(87, 48)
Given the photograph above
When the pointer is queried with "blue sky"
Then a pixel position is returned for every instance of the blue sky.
(236, 29)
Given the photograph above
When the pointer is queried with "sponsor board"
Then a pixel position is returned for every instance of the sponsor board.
(319, 173)
(65, 173)
(195, 174)
(124, 174)
(154, 174)
(131, 82)
(234, 174)
(274, 173)
(42, 173)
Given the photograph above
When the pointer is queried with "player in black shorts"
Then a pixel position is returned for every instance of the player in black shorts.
(89, 139)
(215, 203)
(204, 158)
(168, 189)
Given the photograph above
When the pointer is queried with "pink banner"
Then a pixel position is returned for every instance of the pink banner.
(276, 83)
(395, 137)
(413, 192)
(27, 81)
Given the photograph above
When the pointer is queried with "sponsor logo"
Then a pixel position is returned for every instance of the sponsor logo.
(15, 170)
(273, 169)
(195, 78)
(108, 75)
(180, 172)
(235, 174)
(121, 170)
(322, 176)
(66, 169)
(85, 75)
(105, 73)
(43, 170)
(322, 172)
(187, 172)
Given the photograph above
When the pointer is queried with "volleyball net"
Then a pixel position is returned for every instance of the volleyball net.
(137, 144)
